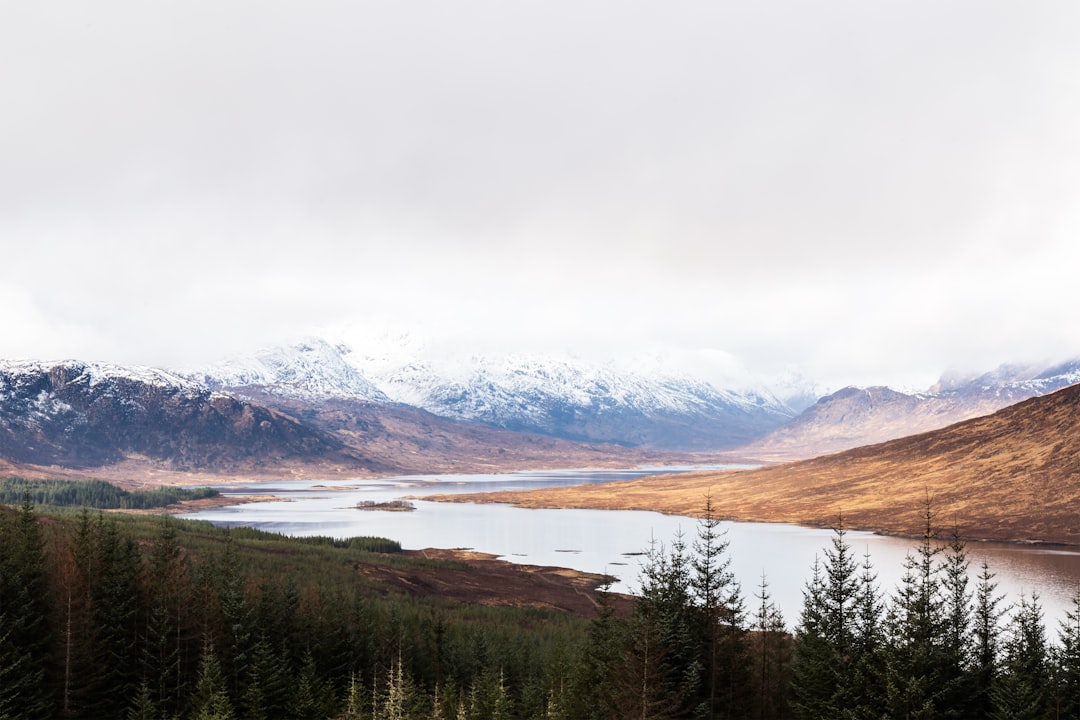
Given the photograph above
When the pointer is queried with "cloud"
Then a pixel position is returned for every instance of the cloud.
(869, 191)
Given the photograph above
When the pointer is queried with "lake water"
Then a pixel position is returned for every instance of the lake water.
(611, 541)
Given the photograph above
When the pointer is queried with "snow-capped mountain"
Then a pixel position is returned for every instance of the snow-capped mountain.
(80, 415)
(854, 417)
(561, 397)
(311, 369)
(574, 400)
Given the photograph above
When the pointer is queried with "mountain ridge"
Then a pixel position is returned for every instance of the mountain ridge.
(546, 395)
(1013, 475)
(853, 417)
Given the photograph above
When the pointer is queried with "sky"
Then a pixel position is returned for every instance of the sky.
(862, 192)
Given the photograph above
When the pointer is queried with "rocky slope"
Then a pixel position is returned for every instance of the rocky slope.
(82, 415)
(854, 417)
(1012, 475)
(558, 397)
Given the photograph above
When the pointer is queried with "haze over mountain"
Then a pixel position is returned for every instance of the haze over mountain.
(1012, 475)
(560, 397)
(138, 423)
(315, 406)
(853, 417)
(81, 416)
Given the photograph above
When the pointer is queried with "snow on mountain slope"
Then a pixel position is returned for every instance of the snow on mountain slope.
(311, 369)
(81, 415)
(561, 397)
(569, 398)
(854, 417)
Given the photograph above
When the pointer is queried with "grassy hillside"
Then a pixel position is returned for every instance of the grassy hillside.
(1013, 475)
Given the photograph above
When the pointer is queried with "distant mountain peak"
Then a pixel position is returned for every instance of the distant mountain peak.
(309, 369)
(550, 394)
(856, 416)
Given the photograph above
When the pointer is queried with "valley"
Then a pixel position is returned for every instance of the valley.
(1013, 476)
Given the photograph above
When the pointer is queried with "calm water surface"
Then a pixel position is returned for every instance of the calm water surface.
(611, 541)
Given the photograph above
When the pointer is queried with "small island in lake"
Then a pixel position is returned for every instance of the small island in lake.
(394, 505)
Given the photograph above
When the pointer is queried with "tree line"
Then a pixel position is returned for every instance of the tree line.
(94, 494)
(135, 617)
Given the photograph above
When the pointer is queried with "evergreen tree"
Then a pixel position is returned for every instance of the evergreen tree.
(1021, 690)
(115, 598)
(773, 656)
(312, 696)
(236, 616)
(601, 660)
(266, 692)
(986, 629)
(25, 654)
(356, 701)
(211, 695)
(668, 622)
(1067, 661)
(868, 647)
(718, 600)
(956, 674)
(917, 628)
(167, 634)
(827, 650)
(143, 706)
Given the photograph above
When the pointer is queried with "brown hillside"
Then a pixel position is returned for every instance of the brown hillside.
(1013, 475)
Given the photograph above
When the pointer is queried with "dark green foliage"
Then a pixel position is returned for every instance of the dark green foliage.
(837, 654)
(24, 612)
(138, 617)
(366, 543)
(1067, 662)
(1021, 692)
(985, 641)
(94, 494)
(772, 656)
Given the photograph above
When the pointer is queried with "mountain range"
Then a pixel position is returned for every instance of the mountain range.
(75, 418)
(854, 417)
(1012, 475)
(319, 407)
(543, 395)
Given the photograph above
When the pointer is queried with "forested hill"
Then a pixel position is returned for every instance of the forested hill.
(139, 618)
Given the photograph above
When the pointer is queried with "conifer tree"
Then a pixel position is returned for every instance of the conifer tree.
(1021, 690)
(312, 696)
(211, 695)
(773, 656)
(601, 661)
(917, 632)
(167, 633)
(956, 673)
(826, 649)
(356, 701)
(719, 604)
(236, 615)
(667, 622)
(25, 654)
(986, 630)
(266, 692)
(868, 647)
(143, 706)
(115, 597)
(1067, 661)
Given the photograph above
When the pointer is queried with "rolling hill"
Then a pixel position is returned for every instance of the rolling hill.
(853, 417)
(1013, 475)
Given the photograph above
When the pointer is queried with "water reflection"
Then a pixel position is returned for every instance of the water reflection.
(611, 541)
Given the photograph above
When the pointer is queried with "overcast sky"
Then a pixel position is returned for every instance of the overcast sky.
(870, 192)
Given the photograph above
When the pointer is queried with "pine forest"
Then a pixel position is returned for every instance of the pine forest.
(106, 615)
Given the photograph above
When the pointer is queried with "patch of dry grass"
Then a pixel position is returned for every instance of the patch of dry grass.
(1013, 475)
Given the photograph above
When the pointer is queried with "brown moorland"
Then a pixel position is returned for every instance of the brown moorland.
(1013, 475)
